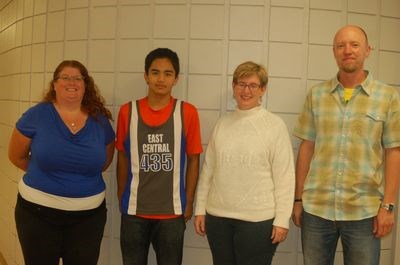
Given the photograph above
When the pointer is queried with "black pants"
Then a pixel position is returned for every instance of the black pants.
(48, 234)
(166, 236)
(238, 242)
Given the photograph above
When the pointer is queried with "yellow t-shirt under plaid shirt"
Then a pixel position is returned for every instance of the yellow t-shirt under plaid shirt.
(345, 179)
(347, 93)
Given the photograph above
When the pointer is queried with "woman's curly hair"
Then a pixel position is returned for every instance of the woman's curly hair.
(93, 103)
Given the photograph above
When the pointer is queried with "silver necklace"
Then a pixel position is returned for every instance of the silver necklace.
(73, 127)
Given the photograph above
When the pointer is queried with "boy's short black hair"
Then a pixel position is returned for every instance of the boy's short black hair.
(162, 53)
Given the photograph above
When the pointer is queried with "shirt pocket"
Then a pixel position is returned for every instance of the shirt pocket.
(368, 125)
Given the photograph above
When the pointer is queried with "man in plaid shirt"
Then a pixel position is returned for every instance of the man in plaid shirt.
(348, 165)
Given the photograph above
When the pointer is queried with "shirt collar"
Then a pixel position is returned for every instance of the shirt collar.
(364, 86)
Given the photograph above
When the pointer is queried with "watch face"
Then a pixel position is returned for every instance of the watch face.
(388, 207)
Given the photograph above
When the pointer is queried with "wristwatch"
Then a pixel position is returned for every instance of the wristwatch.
(388, 207)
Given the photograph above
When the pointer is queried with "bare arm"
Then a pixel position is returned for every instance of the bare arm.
(392, 174)
(304, 156)
(192, 174)
(18, 150)
(384, 221)
(122, 173)
(110, 155)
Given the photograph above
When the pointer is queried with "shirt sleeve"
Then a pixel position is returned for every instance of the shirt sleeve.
(283, 176)
(391, 130)
(27, 123)
(305, 128)
(206, 176)
(192, 129)
(122, 126)
(108, 130)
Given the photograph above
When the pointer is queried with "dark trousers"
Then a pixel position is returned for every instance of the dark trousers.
(48, 234)
(237, 242)
(165, 235)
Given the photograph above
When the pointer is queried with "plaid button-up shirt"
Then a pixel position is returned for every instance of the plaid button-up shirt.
(346, 175)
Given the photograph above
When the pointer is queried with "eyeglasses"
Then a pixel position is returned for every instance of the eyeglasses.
(251, 86)
(66, 78)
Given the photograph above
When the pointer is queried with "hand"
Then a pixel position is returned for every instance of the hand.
(383, 223)
(200, 224)
(279, 234)
(297, 213)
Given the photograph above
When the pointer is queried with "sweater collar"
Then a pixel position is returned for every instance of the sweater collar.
(248, 112)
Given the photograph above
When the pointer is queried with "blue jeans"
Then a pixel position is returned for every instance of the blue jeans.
(237, 242)
(165, 235)
(48, 234)
(320, 236)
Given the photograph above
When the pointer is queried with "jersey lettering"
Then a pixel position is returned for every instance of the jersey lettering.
(156, 154)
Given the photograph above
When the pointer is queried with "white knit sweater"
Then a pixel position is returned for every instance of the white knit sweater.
(248, 170)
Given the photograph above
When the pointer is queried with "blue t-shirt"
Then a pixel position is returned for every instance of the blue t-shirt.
(62, 163)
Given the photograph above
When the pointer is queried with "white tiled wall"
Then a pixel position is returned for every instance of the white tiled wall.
(292, 38)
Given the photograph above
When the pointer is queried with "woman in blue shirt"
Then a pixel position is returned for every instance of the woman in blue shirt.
(63, 144)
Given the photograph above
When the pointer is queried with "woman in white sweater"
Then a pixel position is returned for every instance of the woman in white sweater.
(246, 187)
